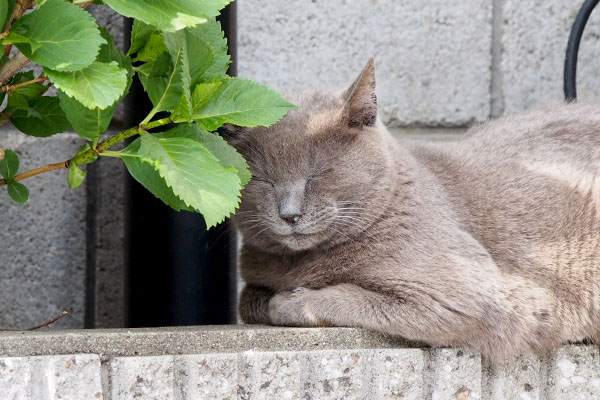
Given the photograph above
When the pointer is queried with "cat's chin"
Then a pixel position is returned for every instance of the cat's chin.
(299, 242)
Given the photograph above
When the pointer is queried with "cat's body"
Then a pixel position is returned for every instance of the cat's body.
(490, 243)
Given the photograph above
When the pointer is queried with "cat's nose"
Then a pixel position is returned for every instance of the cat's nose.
(290, 218)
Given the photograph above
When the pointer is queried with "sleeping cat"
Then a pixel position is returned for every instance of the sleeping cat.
(490, 243)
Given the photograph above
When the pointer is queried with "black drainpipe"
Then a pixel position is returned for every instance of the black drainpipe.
(570, 73)
(177, 272)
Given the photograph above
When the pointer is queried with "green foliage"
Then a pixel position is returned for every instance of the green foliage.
(241, 102)
(180, 57)
(18, 192)
(75, 177)
(9, 166)
(169, 15)
(42, 118)
(57, 35)
(99, 85)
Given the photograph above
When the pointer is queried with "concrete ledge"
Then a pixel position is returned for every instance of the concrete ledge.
(190, 340)
(258, 362)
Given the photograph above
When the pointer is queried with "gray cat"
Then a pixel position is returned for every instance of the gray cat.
(491, 243)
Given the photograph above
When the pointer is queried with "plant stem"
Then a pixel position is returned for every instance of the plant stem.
(91, 154)
(7, 88)
(37, 171)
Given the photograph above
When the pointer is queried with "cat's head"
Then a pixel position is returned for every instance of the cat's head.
(319, 173)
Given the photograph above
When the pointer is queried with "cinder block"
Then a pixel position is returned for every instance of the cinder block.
(433, 58)
(335, 374)
(534, 40)
(395, 373)
(453, 374)
(516, 379)
(143, 378)
(272, 375)
(208, 376)
(68, 377)
(43, 241)
(575, 373)
(14, 377)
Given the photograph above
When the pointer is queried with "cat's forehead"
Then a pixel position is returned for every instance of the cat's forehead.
(318, 110)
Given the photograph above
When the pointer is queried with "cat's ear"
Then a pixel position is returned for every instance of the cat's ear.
(360, 107)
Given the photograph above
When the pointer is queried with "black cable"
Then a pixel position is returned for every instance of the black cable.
(573, 48)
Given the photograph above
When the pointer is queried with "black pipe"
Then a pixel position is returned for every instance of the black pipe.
(177, 272)
(573, 49)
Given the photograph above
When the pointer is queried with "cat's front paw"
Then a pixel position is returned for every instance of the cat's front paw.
(293, 308)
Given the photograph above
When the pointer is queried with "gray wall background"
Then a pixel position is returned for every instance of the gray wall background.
(441, 66)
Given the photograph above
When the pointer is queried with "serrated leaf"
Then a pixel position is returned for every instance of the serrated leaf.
(197, 53)
(227, 155)
(43, 118)
(149, 177)
(9, 166)
(90, 124)
(75, 177)
(242, 102)
(99, 85)
(202, 93)
(18, 192)
(153, 47)
(212, 33)
(57, 35)
(195, 175)
(169, 15)
(140, 32)
(165, 83)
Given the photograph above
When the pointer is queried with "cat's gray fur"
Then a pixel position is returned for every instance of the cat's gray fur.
(491, 243)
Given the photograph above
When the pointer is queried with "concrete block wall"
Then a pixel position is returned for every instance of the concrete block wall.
(271, 363)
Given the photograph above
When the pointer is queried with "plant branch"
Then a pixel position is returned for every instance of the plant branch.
(50, 321)
(12, 66)
(37, 171)
(8, 88)
(91, 154)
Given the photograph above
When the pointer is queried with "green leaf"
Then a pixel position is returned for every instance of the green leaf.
(198, 55)
(90, 124)
(242, 102)
(9, 166)
(149, 177)
(4, 9)
(140, 32)
(18, 192)
(227, 155)
(16, 101)
(211, 33)
(169, 15)
(99, 85)
(153, 47)
(75, 177)
(58, 35)
(202, 93)
(195, 175)
(165, 84)
(43, 118)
